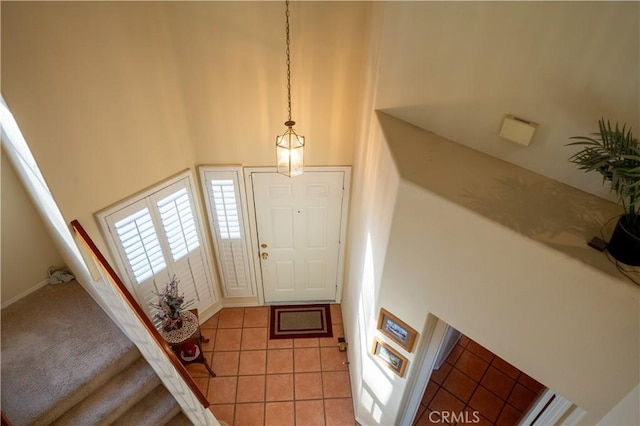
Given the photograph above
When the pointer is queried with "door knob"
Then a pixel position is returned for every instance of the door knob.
(265, 255)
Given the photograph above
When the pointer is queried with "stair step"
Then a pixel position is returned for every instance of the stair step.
(65, 362)
(114, 398)
(179, 420)
(155, 409)
(58, 346)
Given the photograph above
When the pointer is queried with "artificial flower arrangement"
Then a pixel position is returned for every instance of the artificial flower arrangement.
(170, 306)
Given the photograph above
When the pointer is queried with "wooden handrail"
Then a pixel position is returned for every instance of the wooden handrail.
(126, 295)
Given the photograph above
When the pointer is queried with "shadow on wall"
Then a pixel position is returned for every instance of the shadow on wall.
(371, 403)
(547, 211)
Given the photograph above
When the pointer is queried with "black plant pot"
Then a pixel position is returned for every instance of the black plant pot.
(624, 245)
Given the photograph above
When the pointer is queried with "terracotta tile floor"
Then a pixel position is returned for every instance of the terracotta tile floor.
(473, 379)
(273, 382)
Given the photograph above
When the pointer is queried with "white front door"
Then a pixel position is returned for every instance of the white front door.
(299, 224)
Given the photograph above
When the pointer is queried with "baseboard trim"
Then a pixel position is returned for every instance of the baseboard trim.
(24, 293)
(240, 305)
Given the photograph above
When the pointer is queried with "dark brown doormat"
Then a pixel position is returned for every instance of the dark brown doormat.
(296, 321)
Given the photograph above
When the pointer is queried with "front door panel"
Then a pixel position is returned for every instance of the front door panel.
(299, 224)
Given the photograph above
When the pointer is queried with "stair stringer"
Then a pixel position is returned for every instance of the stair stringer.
(133, 327)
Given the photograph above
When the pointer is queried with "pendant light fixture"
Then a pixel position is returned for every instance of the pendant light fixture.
(290, 145)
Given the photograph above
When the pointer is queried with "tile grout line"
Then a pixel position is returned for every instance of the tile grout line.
(441, 386)
(487, 389)
(506, 400)
(235, 398)
(235, 402)
(293, 372)
(466, 403)
(324, 408)
(213, 348)
(320, 370)
(264, 375)
(478, 383)
(211, 364)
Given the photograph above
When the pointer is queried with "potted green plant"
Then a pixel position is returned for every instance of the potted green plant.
(615, 154)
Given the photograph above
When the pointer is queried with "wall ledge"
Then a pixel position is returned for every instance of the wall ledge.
(542, 209)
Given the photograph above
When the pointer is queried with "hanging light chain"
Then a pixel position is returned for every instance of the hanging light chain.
(290, 145)
(289, 123)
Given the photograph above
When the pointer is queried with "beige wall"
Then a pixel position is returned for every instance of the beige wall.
(456, 68)
(533, 205)
(375, 392)
(27, 250)
(569, 321)
(571, 327)
(113, 97)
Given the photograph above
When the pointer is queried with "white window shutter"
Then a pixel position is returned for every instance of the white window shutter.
(180, 229)
(226, 202)
(140, 245)
(176, 208)
(158, 234)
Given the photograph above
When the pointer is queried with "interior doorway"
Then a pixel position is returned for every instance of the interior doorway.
(473, 385)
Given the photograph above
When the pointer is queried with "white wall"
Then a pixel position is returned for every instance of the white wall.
(375, 181)
(27, 249)
(371, 211)
(564, 322)
(570, 327)
(627, 412)
(456, 68)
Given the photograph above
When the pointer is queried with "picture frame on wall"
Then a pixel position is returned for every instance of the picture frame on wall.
(397, 330)
(389, 357)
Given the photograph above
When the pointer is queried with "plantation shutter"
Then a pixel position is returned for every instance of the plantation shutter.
(159, 235)
(176, 208)
(225, 202)
(140, 244)
(177, 217)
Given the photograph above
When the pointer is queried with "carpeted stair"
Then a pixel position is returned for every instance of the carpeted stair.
(65, 362)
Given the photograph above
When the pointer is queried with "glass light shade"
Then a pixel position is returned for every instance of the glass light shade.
(290, 153)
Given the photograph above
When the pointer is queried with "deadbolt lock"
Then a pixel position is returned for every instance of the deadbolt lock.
(263, 245)
(265, 255)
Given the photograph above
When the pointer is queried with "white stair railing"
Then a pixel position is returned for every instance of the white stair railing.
(136, 325)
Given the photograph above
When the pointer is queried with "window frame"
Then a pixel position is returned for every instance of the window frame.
(236, 174)
(111, 239)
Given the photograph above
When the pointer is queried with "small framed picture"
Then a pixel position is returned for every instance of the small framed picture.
(396, 329)
(389, 357)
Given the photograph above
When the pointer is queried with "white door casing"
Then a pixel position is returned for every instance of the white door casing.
(299, 228)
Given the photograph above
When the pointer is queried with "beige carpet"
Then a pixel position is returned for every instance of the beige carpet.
(55, 342)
